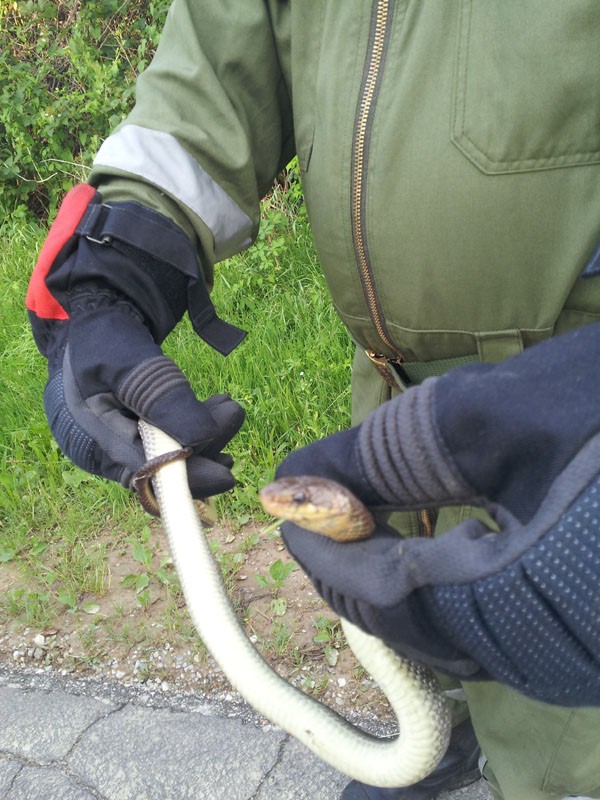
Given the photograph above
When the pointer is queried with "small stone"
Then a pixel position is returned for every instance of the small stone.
(39, 640)
(38, 653)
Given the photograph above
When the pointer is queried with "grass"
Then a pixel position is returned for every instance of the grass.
(292, 375)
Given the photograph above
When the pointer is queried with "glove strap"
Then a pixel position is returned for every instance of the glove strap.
(135, 226)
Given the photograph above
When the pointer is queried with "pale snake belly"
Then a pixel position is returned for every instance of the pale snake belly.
(411, 689)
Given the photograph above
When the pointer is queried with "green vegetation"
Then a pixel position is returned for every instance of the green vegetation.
(291, 374)
(67, 72)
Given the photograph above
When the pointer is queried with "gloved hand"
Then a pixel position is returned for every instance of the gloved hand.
(519, 606)
(105, 365)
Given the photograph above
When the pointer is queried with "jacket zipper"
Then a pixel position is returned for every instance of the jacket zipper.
(375, 59)
(381, 20)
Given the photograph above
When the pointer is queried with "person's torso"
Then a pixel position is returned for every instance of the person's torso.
(450, 155)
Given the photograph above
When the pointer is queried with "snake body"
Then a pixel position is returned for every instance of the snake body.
(411, 689)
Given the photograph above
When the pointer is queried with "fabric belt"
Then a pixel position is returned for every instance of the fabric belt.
(403, 374)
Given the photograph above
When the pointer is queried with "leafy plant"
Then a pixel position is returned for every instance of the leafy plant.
(330, 635)
(278, 573)
(67, 73)
(140, 582)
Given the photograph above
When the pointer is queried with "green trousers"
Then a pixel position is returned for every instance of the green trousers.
(533, 751)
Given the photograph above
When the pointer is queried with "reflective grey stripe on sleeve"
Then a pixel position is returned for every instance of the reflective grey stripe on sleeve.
(158, 157)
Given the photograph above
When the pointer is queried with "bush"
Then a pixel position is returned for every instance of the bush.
(67, 73)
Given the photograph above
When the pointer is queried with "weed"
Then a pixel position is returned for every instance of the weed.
(330, 635)
(32, 607)
(316, 686)
(249, 543)
(278, 606)
(229, 563)
(281, 636)
(278, 572)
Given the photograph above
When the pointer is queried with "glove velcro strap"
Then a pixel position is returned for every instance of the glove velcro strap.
(127, 224)
(141, 228)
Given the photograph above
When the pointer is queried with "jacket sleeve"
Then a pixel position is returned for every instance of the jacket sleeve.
(211, 126)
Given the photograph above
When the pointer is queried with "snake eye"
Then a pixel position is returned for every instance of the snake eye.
(299, 498)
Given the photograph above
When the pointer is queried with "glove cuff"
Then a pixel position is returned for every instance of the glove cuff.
(132, 250)
(160, 248)
(403, 456)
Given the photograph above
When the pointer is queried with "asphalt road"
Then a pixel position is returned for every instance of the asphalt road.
(66, 739)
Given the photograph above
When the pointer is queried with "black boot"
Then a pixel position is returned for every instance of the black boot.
(457, 768)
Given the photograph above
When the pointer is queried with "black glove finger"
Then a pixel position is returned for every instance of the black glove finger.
(158, 392)
(112, 351)
(100, 436)
(224, 459)
(207, 477)
(336, 457)
(229, 417)
(365, 570)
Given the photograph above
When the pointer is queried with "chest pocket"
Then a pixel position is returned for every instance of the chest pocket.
(527, 84)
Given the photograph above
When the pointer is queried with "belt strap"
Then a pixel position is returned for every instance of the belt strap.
(492, 347)
(403, 374)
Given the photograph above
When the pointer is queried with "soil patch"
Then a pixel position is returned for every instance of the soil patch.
(138, 631)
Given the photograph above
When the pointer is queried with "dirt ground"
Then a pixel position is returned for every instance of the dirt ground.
(146, 636)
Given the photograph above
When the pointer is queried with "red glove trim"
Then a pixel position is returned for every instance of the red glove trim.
(39, 300)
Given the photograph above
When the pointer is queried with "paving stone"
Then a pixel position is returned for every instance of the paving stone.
(298, 775)
(72, 740)
(45, 783)
(9, 767)
(157, 754)
(44, 726)
(301, 776)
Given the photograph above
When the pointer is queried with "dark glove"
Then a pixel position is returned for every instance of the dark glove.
(99, 312)
(520, 606)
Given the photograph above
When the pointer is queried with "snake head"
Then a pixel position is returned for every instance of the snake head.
(319, 505)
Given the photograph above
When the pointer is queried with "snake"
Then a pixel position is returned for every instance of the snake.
(412, 690)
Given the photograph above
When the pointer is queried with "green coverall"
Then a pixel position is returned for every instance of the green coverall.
(450, 155)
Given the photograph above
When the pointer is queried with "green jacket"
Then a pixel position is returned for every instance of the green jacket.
(450, 156)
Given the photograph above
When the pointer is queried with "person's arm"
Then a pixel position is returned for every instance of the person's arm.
(212, 124)
(176, 187)
(521, 438)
